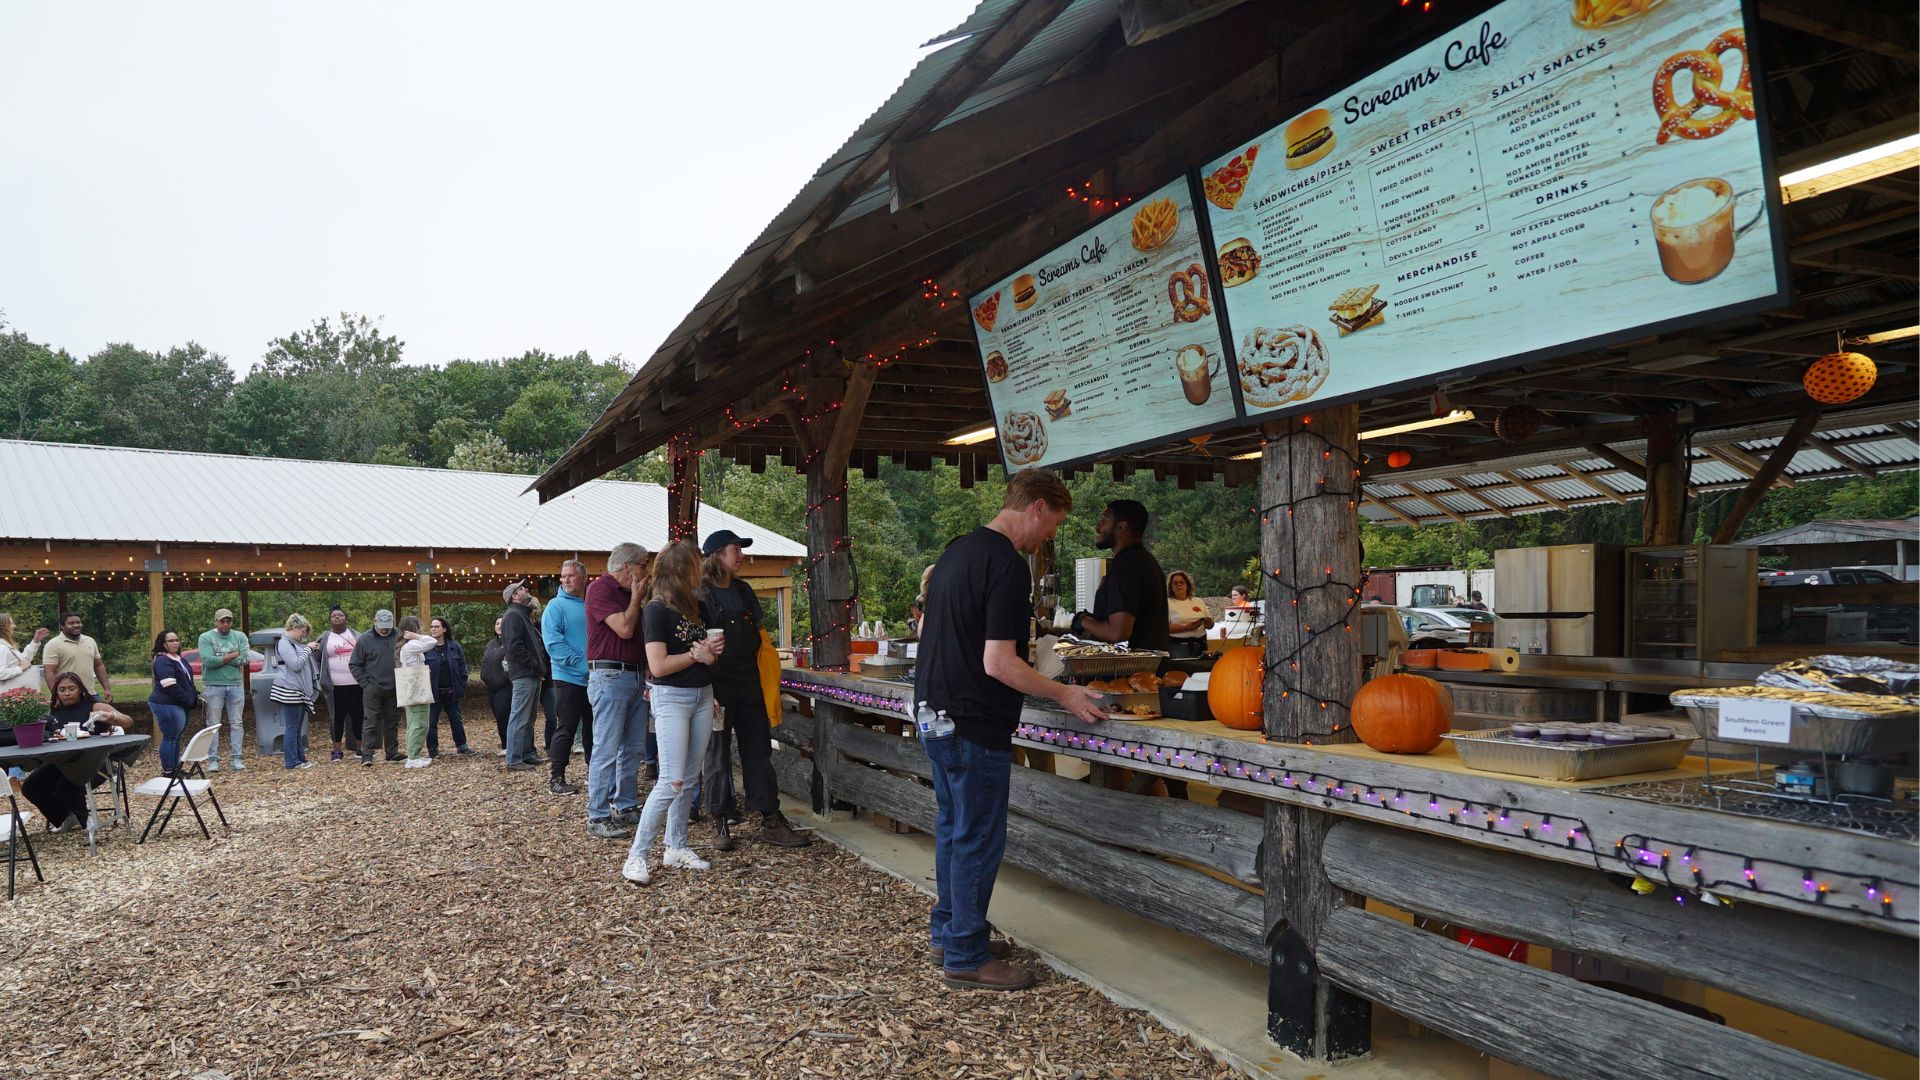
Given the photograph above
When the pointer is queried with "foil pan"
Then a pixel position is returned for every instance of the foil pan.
(1496, 750)
(1846, 674)
(1828, 723)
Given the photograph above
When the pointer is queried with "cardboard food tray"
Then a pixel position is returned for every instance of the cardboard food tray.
(1494, 751)
(1118, 704)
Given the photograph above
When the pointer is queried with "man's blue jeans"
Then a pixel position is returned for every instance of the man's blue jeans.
(620, 741)
(970, 783)
(526, 694)
(224, 704)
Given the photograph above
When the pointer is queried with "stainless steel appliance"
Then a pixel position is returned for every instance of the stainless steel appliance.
(1563, 600)
(1690, 602)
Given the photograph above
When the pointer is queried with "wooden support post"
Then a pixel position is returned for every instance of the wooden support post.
(683, 491)
(1663, 514)
(246, 616)
(156, 597)
(784, 597)
(1772, 469)
(423, 584)
(1310, 550)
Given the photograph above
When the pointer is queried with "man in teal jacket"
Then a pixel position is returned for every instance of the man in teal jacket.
(223, 667)
(563, 629)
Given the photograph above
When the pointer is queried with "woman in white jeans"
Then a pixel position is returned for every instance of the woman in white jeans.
(680, 660)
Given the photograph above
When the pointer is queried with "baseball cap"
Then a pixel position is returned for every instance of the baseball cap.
(223, 613)
(718, 540)
(506, 594)
(383, 619)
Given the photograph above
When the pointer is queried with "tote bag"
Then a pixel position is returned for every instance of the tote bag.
(413, 686)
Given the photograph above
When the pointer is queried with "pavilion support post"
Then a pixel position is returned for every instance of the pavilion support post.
(1663, 514)
(1772, 469)
(423, 585)
(784, 597)
(1310, 552)
(156, 596)
(683, 491)
(59, 605)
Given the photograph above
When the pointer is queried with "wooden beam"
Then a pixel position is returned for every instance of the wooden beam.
(1742, 462)
(1434, 501)
(853, 408)
(1077, 108)
(1852, 27)
(1142, 21)
(1862, 262)
(1384, 504)
(1534, 490)
(1831, 448)
(1592, 480)
(1775, 465)
(156, 602)
(1539, 1019)
(1474, 494)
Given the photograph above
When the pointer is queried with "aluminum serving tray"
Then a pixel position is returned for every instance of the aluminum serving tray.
(1824, 728)
(1494, 751)
(1082, 669)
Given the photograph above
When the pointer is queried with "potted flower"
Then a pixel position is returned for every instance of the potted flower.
(25, 711)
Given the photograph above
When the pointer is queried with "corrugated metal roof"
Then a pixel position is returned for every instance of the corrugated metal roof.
(153, 496)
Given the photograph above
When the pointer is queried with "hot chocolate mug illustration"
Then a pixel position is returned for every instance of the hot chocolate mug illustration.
(1694, 231)
(1197, 371)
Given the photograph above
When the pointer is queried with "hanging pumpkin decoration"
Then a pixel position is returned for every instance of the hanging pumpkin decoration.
(1399, 459)
(1236, 689)
(1839, 377)
(1402, 714)
(1518, 423)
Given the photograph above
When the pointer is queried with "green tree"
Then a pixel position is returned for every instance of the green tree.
(168, 401)
(485, 452)
(42, 383)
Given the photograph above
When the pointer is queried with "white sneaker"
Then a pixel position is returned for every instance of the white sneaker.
(213, 766)
(635, 871)
(419, 762)
(685, 859)
(239, 766)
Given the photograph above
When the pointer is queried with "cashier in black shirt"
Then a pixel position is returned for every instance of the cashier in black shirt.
(1131, 605)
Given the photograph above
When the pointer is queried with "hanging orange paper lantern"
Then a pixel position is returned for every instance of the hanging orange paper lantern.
(1399, 459)
(1838, 378)
(1518, 423)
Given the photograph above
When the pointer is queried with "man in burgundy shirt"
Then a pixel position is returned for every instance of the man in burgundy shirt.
(616, 687)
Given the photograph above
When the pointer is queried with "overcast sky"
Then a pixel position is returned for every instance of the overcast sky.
(483, 177)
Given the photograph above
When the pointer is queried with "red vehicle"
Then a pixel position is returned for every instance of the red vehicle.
(255, 660)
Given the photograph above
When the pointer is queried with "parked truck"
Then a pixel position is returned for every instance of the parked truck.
(1428, 586)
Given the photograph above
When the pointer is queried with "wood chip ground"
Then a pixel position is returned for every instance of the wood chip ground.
(458, 921)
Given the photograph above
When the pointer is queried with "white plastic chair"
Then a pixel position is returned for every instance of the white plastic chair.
(188, 779)
(14, 828)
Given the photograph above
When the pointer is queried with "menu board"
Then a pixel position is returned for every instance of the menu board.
(1552, 176)
(1109, 341)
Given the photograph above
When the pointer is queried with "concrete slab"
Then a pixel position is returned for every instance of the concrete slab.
(1213, 996)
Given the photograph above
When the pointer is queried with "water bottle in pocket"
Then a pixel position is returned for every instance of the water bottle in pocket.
(930, 723)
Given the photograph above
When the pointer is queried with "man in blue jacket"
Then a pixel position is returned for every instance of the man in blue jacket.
(563, 629)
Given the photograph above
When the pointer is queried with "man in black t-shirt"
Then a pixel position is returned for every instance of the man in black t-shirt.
(969, 680)
(729, 604)
(1131, 605)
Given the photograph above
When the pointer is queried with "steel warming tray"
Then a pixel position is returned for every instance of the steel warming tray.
(1496, 751)
(1832, 723)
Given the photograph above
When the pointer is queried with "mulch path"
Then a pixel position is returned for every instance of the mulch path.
(458, 921)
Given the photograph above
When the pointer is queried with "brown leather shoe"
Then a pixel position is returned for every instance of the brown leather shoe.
(997, 948)
(992, 975)
(722, 834)
(776, 830)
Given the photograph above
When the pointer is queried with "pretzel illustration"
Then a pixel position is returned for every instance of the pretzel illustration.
(1188, 291)
(1723, 107)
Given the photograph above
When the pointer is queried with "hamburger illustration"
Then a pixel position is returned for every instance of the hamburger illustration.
(1239, 262)
(1023, 292)
(1057, 404)
(1309, 138)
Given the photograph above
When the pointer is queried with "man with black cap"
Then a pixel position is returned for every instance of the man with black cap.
(372, 667)
(527, 664)
(1131, 604)
(728, 603)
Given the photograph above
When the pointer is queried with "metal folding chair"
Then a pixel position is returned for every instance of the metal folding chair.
(188, 779)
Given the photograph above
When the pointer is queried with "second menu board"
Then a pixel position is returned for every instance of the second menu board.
(1108, 342)
(1554, 174)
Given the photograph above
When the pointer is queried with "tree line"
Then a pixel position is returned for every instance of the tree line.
(340, 390)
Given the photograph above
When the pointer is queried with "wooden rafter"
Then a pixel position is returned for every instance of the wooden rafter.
(1534, 490)
(1743, 463)
(1385, 504)
(1775, 465)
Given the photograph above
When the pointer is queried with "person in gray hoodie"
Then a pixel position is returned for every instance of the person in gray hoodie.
(372, 667)
(528, 664)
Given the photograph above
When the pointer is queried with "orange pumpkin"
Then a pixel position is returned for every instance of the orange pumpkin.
(1402, 714)
(1838, 378)
(1236, 688)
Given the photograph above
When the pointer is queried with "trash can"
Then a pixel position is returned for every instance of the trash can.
(267, 727)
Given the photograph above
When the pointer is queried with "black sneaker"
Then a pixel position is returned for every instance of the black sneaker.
(561, 787)
(610, 829)
(519, 766)
(366, 761)
(464, 751)
(627, 817)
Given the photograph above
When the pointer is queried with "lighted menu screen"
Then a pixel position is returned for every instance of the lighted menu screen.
(1555, 175)
(1108, 342)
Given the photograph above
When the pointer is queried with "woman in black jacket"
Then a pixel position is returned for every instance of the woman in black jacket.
(493, 675)
(447, 663)
(173, 696)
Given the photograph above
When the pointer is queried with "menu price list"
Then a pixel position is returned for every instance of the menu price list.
(1106, 342)
(1505, 190)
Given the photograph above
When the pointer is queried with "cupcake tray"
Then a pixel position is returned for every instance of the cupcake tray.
(1497, 751)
